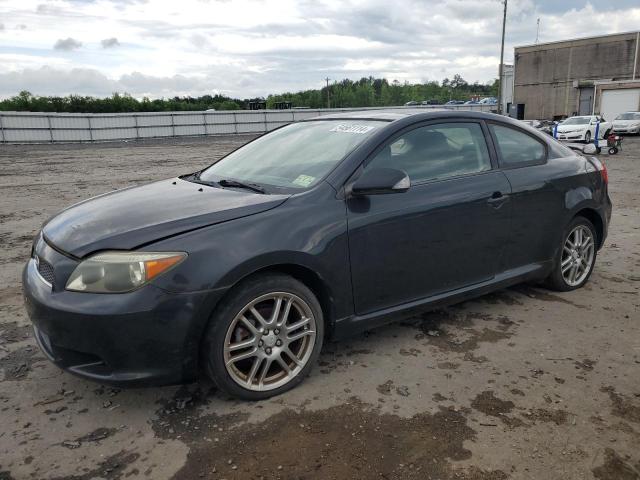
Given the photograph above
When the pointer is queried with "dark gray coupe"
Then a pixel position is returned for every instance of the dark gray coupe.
(318, 229)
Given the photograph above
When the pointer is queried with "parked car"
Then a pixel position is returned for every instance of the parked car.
(628, 122)
(489, 101)
(318, 229)
(433, 101)
(545, 126)
(412, 103)
(455, 102)
(583, 128)
(471, 102)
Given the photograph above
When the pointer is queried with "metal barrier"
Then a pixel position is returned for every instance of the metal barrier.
(29, 127)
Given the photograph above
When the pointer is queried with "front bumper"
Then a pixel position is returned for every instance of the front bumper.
(626, 130)
(571, 136)
(145, 337)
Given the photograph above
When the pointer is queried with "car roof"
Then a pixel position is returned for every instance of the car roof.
(390, 115)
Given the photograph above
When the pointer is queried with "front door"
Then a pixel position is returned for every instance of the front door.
(447, 231)
(586, 101)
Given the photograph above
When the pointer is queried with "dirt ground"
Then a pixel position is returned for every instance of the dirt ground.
(520, 384)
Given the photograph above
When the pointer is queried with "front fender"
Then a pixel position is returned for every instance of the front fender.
(274, 260)
(306, 233)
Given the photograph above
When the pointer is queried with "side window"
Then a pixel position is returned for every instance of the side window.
(436, 151)
(516, 147)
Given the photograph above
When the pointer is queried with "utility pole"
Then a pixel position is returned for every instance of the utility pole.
(538, 31)
(504, 24)
(328, 98)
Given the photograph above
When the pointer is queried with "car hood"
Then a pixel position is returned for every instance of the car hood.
(126, 219)
(626, 123)
(571, 128)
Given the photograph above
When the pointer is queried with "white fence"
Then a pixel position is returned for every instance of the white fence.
(28, 127)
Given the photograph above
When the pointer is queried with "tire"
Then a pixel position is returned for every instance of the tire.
(587, 137)
(584, 259)
(613, 151)
(260, 338)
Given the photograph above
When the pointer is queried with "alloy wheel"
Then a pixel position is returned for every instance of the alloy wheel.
(578, 254)
(269, 341)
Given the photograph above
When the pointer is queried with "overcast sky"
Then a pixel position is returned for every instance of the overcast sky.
(245, 48)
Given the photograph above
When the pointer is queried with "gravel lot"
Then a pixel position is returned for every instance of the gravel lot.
(522, 384)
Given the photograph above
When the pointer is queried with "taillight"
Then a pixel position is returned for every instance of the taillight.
(604, 173)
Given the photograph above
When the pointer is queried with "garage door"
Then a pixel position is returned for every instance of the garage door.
(615, 102)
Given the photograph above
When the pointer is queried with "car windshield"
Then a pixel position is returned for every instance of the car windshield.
(296, 156)
(628, 116)
(577, 121)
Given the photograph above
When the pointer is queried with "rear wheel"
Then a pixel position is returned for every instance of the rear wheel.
(265, 338)
(577, 256)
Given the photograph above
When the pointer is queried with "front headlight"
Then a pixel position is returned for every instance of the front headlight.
(119, 272)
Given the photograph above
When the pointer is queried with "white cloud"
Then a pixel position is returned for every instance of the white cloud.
(254, 47)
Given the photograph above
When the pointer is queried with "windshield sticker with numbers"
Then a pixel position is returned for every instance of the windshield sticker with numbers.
(351, 128)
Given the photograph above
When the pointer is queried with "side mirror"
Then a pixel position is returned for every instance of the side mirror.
(379, 181)
(590, 149)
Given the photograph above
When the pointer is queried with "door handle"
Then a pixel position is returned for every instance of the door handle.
(497, 199)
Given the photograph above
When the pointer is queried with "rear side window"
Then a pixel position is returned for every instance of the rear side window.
(517, 148)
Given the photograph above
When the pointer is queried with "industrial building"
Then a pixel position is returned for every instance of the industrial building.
(596, 75)
(506, 87)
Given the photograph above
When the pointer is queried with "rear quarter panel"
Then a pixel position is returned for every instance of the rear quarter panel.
(546, 198)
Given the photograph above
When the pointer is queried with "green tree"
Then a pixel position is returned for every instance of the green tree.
(365, 92)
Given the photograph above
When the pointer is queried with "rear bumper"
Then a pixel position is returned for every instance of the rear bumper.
(608, 208)
(145, 337)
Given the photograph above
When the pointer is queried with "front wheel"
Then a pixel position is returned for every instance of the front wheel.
(577, 256)
(265, 338)
(587, 137)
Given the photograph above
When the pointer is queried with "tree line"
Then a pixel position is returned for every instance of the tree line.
(379, 92)
(366, 92)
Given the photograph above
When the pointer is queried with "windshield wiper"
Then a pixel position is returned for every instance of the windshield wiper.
(235, 183)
